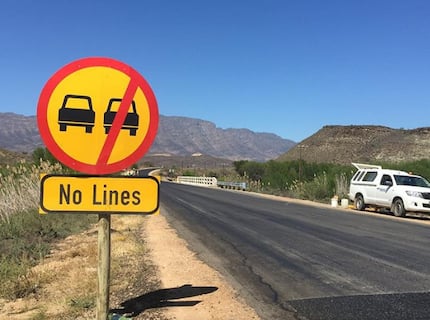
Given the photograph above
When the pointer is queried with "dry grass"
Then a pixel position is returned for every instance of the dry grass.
(19, 187)
(67, 278)
(71, 286)
(342, 185)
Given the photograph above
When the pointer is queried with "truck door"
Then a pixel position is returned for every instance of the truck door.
(383, 190)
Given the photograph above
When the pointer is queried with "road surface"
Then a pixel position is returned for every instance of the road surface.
(295, 261)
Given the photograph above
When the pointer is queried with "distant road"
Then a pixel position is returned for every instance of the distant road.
(294, 261)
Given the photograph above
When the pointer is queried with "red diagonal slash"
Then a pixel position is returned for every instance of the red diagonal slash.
(118, 122)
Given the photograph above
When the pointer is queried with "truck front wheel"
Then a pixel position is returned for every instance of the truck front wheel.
(359, 202)
(398, 208)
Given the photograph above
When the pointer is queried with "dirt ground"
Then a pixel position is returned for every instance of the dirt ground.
(153, 276)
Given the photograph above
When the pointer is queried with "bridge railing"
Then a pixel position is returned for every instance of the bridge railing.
(211, 182)
(198, 181)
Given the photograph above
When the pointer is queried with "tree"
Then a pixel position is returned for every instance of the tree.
(239, 166)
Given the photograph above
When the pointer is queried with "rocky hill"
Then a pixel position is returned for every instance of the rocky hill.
(10, 157)
(346, 144)
(19, 133)
(176, 136)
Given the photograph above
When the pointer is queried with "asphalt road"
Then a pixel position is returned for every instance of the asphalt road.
(295, 261)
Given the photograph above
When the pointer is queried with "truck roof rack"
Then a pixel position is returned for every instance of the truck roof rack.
(365, 166)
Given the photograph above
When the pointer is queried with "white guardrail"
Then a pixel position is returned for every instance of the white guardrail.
(198, 181)
(210, 182)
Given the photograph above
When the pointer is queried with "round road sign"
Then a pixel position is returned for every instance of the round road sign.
(97, 115)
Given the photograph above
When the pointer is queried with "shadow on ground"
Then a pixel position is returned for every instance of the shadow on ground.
(163, 298)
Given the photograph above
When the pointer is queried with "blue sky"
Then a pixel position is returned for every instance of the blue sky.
(280, 66)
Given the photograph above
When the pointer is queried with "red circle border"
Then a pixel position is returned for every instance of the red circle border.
(61, 155)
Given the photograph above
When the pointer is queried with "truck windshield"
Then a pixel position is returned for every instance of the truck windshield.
(411, 181)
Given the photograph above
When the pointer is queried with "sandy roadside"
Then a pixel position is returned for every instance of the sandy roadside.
(178, 266)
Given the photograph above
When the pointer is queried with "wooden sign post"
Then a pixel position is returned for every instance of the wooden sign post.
(103, 270)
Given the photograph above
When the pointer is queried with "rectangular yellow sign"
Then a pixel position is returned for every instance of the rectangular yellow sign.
(88, 194)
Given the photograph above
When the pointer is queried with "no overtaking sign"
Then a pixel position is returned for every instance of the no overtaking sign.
(97, 115)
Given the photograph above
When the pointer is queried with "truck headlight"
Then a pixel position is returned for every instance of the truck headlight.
(414, 194)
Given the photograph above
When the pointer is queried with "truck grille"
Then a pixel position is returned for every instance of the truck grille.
(426, 195)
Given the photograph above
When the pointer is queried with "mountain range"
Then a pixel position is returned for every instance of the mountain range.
(179, 136)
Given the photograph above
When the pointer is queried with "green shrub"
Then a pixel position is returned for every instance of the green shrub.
(313, 181)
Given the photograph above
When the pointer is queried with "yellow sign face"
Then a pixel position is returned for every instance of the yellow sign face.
(71, 134)
(88, 194)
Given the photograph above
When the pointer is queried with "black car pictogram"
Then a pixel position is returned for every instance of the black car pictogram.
(77, 110)
(131, 121)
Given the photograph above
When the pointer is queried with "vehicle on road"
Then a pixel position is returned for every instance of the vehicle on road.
(131, 121)
(398, 191)
(76, 110)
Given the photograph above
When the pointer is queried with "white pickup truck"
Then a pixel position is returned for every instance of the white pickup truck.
(398, 191)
